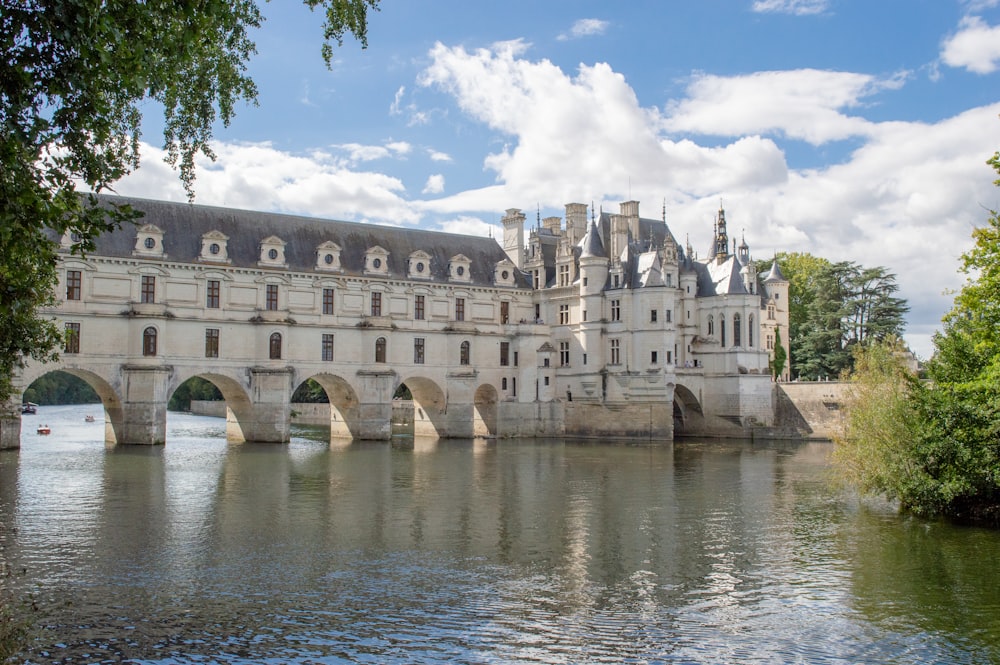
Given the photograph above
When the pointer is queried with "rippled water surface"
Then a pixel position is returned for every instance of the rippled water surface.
(547, 551)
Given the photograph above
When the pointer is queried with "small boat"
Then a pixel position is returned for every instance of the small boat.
(29, 408)
(44, 429)
(88, 418)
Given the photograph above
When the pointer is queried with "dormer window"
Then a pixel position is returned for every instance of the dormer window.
(419, 265)
(214, 247)
(149, 241)
(328, 257)
(503, 273)
(459, 269)
(272, 252)
(376, 261)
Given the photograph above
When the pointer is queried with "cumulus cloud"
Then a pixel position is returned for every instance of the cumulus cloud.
(976, 46)
(366, 153)
(795, 7)
(438, 156)
(804, 104)
(585, 27)
(435, 184)
(258, 176)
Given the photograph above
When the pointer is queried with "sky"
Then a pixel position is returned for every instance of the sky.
(855, 130)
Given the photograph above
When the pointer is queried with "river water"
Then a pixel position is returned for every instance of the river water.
(550, 551)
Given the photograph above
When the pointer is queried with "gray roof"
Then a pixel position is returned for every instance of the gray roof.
(774, 274)
(183, 226)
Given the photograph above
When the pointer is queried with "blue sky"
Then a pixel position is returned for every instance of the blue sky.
(852, 130)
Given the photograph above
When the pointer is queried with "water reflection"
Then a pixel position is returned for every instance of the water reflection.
(467, 551)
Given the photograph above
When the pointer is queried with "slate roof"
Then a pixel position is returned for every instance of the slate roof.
(184, 224)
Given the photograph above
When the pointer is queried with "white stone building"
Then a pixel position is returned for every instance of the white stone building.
(597, 325)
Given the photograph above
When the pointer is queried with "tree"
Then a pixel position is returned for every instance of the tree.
(850, 305)
(75, 77)
(936, 446)
(778, 364)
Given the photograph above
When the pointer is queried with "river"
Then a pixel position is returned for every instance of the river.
(548, 551)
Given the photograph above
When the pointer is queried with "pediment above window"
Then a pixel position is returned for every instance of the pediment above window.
(376, 261)
(272, 253)
(459, 269)
(503, 273)
(328, 257)
(148, 241)
(214, 247)
(419, 265)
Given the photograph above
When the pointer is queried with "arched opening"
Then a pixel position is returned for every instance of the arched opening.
(327, 400)
(380, 350)
(214, 396)
(750, 332)
(429, 406)
(149, 341)
(485, 413)
(402, 412)
(736, 329)
(464, 353)
(688, 416)
(73, 398)
(711, 325)
(274, 346)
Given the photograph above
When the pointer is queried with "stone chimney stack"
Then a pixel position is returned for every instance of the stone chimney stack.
(513, 236)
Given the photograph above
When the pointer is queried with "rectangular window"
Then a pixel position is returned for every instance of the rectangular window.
(211, 342)
(212, 291)
(615, 352)
(616, 310)
(328, 301)
(503, 383)
(564, 275)
(418, 308)
(654, 357)
(515, 359)
(585, 281)
(148, 291)
(72, 341)
(418, 350)
(376, 303)
(271, 302)
(513, 386)
(668, 315)
(504, 353)
(563, 315)
(504, 311)
(652, 316)
(327, 347)
(74, 284)
(585, 359)
(670, 358)
(563, 354)
(616, 281)
(460, 309)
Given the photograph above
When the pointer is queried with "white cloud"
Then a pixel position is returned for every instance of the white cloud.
(585, 27)
(367, 153)
(803, 104)
(470, 226)
(435, 184)
(976, 46)
(397, 100)
(259, 177)
(796, 7)
(438, 156)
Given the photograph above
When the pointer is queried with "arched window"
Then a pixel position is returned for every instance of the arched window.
(736, 330)
(380, 350)
(463, 354)
(711, 325)
(722, 330)
(275, 347)
(750, 332)
(149, 341)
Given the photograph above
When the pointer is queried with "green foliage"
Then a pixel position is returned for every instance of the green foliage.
(778, 364)
(310, 392)
(936, 447)
(850, 305)
(76, 76)
(195, 388)
(60, 388)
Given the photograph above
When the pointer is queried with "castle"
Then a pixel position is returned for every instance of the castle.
(596, 324)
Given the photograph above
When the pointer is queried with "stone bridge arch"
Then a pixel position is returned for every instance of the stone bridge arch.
(484, 423)
(430, 406)
(688, 413)
(239, 407)
(345, 406)
(114, 413)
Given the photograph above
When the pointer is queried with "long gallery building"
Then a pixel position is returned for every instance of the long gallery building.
(592, 325)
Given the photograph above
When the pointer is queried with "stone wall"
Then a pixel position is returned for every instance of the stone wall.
(813, 410)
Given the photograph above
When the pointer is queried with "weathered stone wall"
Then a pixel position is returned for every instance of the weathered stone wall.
(811, 410)
(627, 420)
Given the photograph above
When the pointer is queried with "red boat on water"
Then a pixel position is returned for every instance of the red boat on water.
(43, 429)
